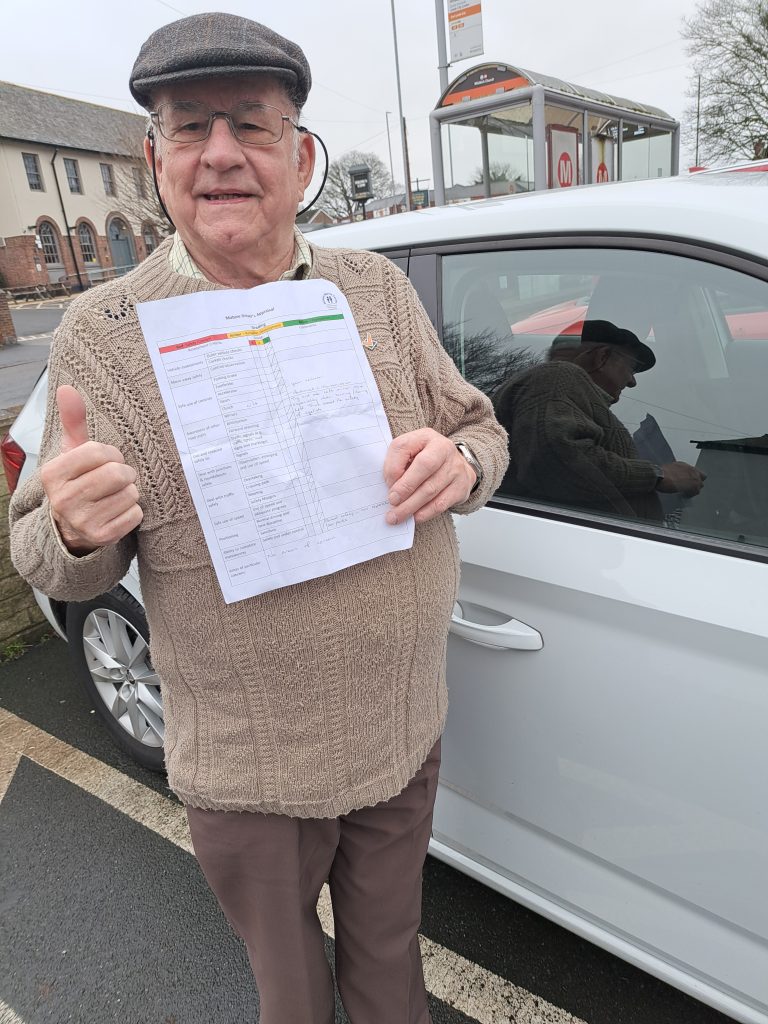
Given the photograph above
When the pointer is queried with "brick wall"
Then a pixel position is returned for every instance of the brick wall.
(7, 330)
(18, 262)
(20, 257)
(20, 618)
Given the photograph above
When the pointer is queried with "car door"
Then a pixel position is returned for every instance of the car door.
(604, 760)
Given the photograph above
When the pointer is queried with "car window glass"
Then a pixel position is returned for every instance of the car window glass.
(399, 261)
(631, 383)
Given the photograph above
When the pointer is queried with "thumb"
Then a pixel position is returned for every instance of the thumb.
(74, 429)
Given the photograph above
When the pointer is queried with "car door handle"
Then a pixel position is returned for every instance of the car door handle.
(511, 635)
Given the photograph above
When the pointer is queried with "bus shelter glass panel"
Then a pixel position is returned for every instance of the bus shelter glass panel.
(603, 145)
(661, 154)
(510, 148)
(489, 155)
(646, 152)
(565, 157)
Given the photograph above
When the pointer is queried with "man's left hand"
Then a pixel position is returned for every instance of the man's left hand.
(426, 475)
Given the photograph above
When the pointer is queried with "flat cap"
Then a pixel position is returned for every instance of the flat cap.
(211, 45)
(603, 332)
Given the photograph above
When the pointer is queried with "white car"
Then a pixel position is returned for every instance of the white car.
(606, 754)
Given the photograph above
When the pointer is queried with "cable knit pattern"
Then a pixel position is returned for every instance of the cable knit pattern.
(314, 699)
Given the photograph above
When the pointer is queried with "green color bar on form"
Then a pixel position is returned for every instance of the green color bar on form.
(313, 319)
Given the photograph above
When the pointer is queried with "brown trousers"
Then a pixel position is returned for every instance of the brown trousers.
(267, 871)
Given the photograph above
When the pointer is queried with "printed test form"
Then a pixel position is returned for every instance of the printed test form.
(279, 424)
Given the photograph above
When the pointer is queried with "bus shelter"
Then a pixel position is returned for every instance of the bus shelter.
(500, 129)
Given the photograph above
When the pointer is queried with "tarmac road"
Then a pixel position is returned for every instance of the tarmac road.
(34, 318)
(105, 917)
(21, 364)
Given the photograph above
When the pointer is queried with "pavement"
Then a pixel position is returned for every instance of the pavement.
(23, 362)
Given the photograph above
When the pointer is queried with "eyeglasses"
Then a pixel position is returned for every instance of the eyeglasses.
(635, 364)
(256, 124)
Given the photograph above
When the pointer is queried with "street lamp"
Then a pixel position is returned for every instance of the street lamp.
(408, 204)
(389, 143)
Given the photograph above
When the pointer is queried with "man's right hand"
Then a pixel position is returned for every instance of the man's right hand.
(680, 478)
(92, 492)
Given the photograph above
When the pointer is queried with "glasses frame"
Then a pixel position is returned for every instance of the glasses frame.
(154, 116)
(636, 365)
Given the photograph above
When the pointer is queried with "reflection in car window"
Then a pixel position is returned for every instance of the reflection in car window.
(631, 383)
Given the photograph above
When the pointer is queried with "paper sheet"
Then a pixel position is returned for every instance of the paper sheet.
(279, 424)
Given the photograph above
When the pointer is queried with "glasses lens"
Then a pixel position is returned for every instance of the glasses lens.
(185, 121)
(257, 123)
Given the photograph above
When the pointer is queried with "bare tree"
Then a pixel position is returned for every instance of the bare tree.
(337, 195)
(136, 191)
(728, 45)
(486, 357)
(499, 172)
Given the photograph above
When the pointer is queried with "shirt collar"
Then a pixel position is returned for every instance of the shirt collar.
(182, 263)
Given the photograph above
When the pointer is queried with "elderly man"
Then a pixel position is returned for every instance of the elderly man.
(302, 725)
(565, 443)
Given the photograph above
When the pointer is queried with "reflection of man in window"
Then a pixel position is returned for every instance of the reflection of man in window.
(565, 443)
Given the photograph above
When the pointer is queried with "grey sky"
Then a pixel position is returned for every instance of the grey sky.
(86, 49)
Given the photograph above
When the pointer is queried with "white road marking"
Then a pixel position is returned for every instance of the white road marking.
(8, 1015)
(467, 987)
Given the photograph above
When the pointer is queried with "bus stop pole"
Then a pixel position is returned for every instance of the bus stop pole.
(406, 168)
(442, 54)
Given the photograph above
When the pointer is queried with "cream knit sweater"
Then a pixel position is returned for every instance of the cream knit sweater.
(312, 700)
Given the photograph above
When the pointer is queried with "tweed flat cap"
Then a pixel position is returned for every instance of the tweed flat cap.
(208, 45)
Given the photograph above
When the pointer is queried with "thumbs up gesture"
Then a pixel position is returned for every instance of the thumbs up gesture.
(92, 492)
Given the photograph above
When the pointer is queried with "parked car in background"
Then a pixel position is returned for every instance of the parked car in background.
(605, 757)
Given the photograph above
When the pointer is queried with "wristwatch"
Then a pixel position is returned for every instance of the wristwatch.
(469, 455)
(659, 476)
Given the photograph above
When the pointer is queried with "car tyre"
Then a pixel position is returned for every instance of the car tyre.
(109, 641)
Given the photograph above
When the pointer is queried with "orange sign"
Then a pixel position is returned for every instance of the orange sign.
(465, 12)
(485, 80)
(602, 173)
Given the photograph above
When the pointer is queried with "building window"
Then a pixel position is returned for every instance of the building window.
(140, 181)
(34, 174)
(87, 244)
(108, 177)
(73, 175)
(50, 243)
(150, 238)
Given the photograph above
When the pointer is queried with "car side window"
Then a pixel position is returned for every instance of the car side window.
(631, 383)
(399, 261)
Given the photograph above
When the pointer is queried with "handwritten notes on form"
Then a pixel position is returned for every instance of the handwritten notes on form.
(279, 424)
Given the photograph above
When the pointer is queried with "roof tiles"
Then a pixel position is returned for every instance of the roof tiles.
(33, 116)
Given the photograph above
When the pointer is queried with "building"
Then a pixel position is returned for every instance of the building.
(314, 219)
(76, 200)
(421, 198)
